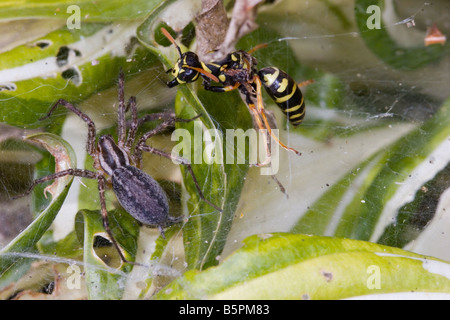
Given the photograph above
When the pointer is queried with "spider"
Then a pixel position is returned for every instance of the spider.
(117, 166)
(238, 71)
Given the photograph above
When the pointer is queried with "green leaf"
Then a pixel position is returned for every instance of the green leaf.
(384, 46)
(221, 183)
(414, 217)
(68, 247)
(102, 10)
(288, 266)
(74, 65)
(395, 168)
(381, 176)
(26, 241)
(104, 282)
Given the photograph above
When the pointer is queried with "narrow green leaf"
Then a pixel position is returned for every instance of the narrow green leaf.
(287, 266)
(26, 241)
(221, 183)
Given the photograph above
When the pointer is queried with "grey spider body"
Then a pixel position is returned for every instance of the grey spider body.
(141, 196)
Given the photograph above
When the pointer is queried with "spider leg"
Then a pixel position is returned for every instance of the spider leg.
(137, 122)
(188, 167)
(166, 116)
(137, 154)
(161, 232)
(134, 123)
(101, 190)
(169, 121)
(68, 172)
(91, 126)
(121, 126)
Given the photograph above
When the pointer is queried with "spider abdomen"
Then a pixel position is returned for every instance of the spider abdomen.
(140, 195)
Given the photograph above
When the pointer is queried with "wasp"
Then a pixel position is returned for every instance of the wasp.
(238, 71)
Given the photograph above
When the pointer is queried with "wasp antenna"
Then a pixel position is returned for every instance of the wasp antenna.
(257, 47)
(171, 39)
(206, 73)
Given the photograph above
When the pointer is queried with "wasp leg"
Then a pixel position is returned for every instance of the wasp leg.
(305, 83)
(260, 110)
(209, 87)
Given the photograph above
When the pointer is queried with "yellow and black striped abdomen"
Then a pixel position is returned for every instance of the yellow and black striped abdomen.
(285, 92)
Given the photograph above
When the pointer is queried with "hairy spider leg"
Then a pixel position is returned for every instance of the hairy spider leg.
(101, 182)
(188, 166)
(137, 122)
(169, 120)
(92, 132)
(121, 126)
(141, 146)
(137, 153)
(83, 173)
(134, 123)
(126, 140)
(67, 172)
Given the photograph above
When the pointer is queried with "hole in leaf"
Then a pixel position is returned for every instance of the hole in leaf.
(105, 250)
